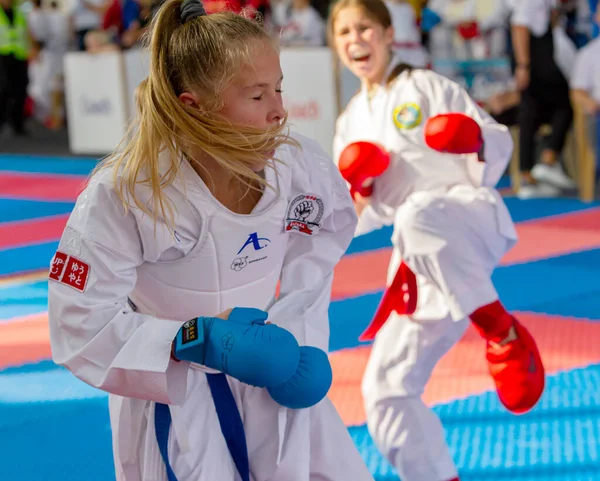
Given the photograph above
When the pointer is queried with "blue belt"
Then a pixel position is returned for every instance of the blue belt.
(229, 419)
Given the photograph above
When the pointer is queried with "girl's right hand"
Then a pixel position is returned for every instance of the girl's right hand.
(240, 344)
(224, 315)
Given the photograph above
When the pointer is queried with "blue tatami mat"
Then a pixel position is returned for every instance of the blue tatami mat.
(47, 165)
(558, 440)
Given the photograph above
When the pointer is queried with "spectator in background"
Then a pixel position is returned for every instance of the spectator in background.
(14, 54)
(475, 29)
(87, 16)
(544, 94)
(51, 32)
(585, 82)
(298, 23)
(407, 36)
(585, 85)
(38, 31)
(504, 105)
(98, 41)
(246, 7)
(263, 7)
(51, 64)
(112, 21)
(136, 19)
(216, 6)
(579, 21)
(36, 22)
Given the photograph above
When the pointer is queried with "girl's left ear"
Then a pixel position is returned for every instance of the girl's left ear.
(188, 99)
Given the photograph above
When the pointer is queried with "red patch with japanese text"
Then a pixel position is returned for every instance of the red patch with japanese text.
(69, 270)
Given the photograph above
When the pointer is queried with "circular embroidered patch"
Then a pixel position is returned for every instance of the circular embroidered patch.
(407, 116)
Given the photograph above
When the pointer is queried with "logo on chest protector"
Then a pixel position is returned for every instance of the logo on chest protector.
(239, 263)
(255, 241)
(304, 214)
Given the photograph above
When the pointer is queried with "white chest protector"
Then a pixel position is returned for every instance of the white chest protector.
(226, 260)
(235, 262)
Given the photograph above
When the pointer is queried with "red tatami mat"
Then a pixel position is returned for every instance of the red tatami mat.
(24, 341)
(21, 233)
(50, 187)
(463, 371)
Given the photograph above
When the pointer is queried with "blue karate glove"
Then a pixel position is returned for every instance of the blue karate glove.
(243, 346)
(309, 385)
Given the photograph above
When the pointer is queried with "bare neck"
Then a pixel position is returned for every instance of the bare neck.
(228, 190)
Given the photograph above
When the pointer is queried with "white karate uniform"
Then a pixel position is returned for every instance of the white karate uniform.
(48, 78)
(38, 27)
(36, 20)
(113, 328)
(451, 228)
(56, 48)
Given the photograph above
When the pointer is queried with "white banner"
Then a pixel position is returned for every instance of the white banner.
(96, 102)
(309, 93)
(349, 86)
(137, 67)
(108, 83)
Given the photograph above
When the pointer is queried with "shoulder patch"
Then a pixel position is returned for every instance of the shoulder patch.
(407, 116)
(68, 270)
(304, 214)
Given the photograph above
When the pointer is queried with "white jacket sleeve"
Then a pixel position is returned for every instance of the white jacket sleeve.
(498, 143)
(307, 273)
(94, 332)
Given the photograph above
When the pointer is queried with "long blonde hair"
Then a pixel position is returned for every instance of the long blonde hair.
(201, 55)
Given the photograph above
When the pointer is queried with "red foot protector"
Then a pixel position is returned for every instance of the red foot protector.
(518, 371)
(361, 161)
(400, 296)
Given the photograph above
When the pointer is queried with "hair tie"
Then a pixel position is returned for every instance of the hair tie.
(191, 9)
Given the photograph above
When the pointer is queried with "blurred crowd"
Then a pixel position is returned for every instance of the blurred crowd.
(437, 34)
